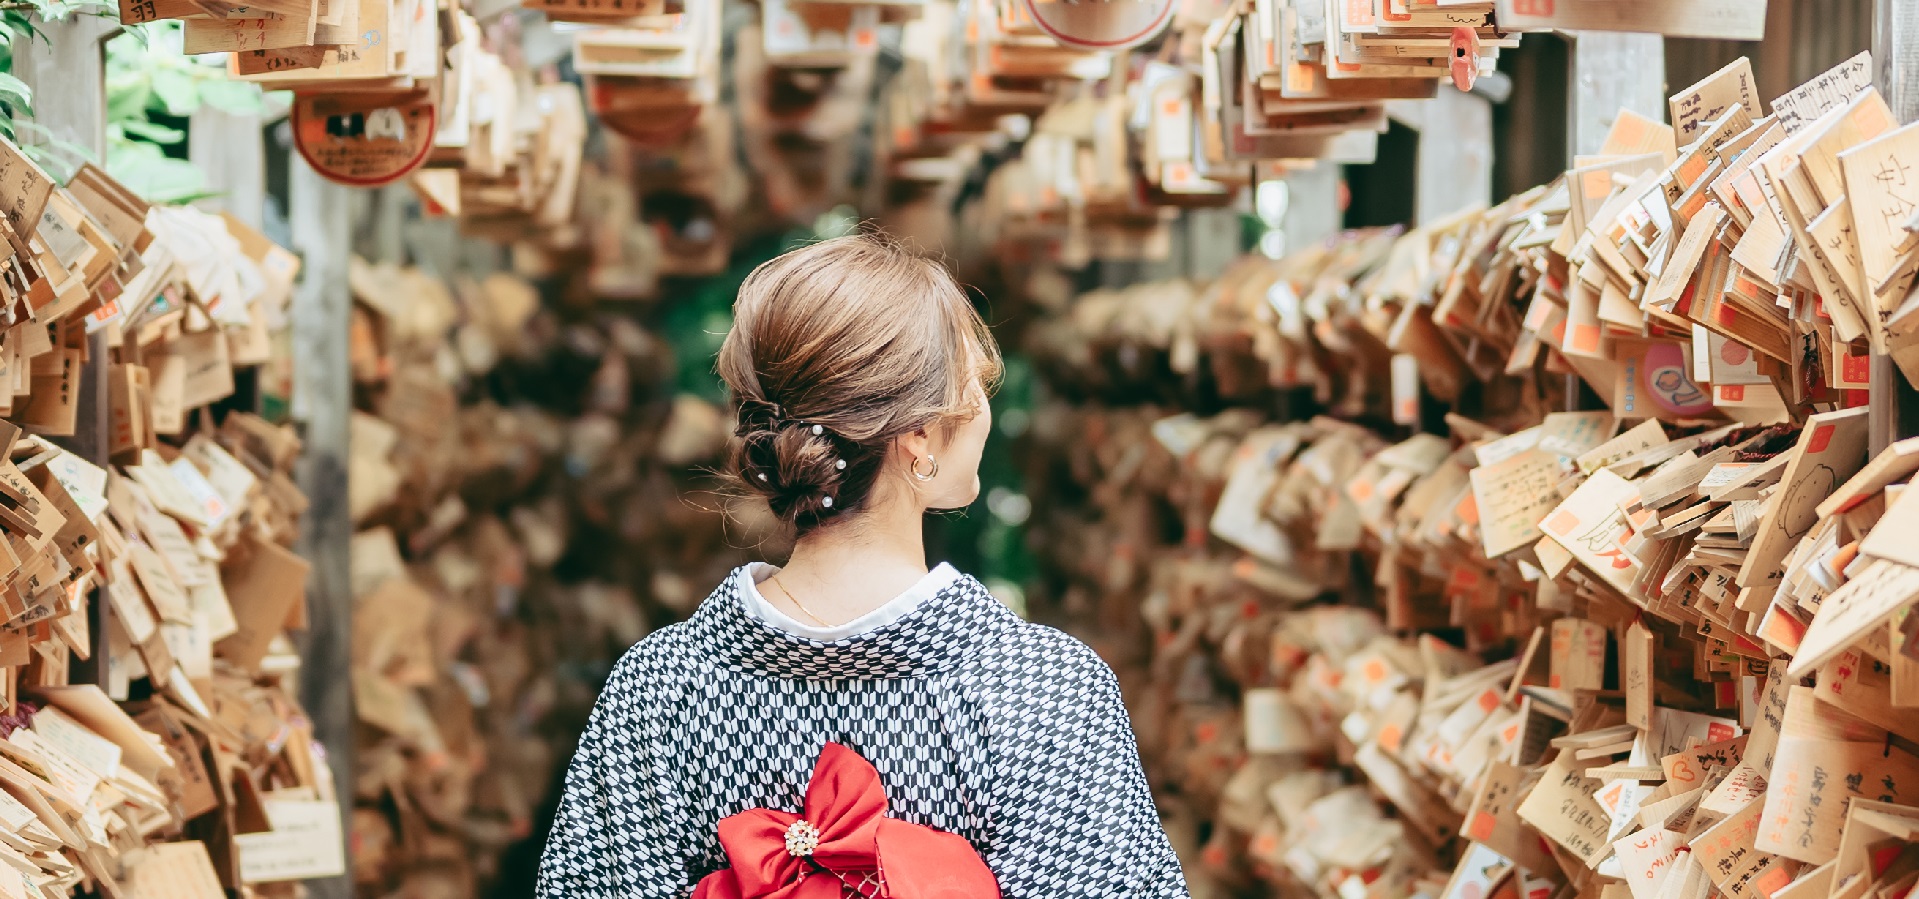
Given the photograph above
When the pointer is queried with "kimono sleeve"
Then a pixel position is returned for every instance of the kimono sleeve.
(1072, 815)
(619, 831)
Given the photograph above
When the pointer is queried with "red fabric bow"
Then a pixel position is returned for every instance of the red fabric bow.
(856, 844)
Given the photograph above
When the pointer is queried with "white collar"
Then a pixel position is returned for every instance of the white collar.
(927, 587)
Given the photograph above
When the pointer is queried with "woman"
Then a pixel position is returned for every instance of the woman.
(861, 373)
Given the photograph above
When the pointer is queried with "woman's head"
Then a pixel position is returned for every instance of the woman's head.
(861, 373)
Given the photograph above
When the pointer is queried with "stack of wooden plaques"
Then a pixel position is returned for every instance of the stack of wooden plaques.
(507, 153)
(656, 82)
(195, 586)
(150, 736)
(971, 71)
(805, 79)
(650, 78)
(1658, 649)
(1117, 144)
(387, 90)
(649, 212)
(367, 78)
(527, 499)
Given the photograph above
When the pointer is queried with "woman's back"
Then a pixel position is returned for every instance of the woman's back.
(1009, 734)
(861, 374)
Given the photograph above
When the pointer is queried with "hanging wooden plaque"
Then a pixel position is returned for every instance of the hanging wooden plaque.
(364, 141)
(1102, 25)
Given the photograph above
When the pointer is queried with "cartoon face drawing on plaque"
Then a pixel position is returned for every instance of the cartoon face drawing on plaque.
(1798, 509)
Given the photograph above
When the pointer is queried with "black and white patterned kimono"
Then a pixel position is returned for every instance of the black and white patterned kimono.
(1009, 734)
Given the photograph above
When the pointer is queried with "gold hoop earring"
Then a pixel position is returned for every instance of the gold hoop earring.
(935, 463)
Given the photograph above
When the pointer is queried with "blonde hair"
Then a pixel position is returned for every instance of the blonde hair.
(836, 349)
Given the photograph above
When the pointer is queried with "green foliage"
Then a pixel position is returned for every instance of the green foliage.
(147, 170)
(15, 93)
(147, 77)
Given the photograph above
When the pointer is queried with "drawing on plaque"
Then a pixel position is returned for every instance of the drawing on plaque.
(1799, 507)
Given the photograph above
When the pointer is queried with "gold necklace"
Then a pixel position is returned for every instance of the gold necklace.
(774, 581)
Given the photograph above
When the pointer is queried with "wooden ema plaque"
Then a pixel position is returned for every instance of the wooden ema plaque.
(641, 111)
(364, 141)
(1102, 25)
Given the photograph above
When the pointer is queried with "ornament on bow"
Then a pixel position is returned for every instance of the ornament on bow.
(842, 846)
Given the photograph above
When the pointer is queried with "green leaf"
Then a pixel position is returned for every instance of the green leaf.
(22, 24)
(167, 35)
(129, 82)
(237, 97)
(52, 11)
(127, 98)
(153, 131)
(39, 135)
(176, 89)
(149, 172)
(16, 93)
(60, 165)
(122, 150)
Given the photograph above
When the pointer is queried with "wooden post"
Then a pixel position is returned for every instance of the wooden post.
(379, 219)
(230, 150)
(1454, 171)
(435, 245)
(67, 72)
(1894, 411)
(1613, 71)
(323, 401)
(1312, 205)
(1212, 242)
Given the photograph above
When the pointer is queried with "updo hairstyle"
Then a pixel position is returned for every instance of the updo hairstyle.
(836, 349)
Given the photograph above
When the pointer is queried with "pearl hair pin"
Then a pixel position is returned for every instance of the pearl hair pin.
(817, 430)
(827, 502)
(839, 464)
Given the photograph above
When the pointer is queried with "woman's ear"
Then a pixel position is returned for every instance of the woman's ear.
(913, 445)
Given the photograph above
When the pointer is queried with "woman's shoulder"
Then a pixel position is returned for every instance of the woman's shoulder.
(1031, 660)
(686, 645)
(1043, 689)
(1006, 642)
(658, 663)
(1029, 642)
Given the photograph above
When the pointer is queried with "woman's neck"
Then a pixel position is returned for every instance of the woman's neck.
(850, 568)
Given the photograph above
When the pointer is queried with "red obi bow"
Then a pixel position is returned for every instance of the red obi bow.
(843, 845)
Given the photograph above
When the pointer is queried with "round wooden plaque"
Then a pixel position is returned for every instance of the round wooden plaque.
(364, 144)
(1101, 24)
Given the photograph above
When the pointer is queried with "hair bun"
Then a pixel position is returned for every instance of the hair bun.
(758, 415)
(797, 466)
